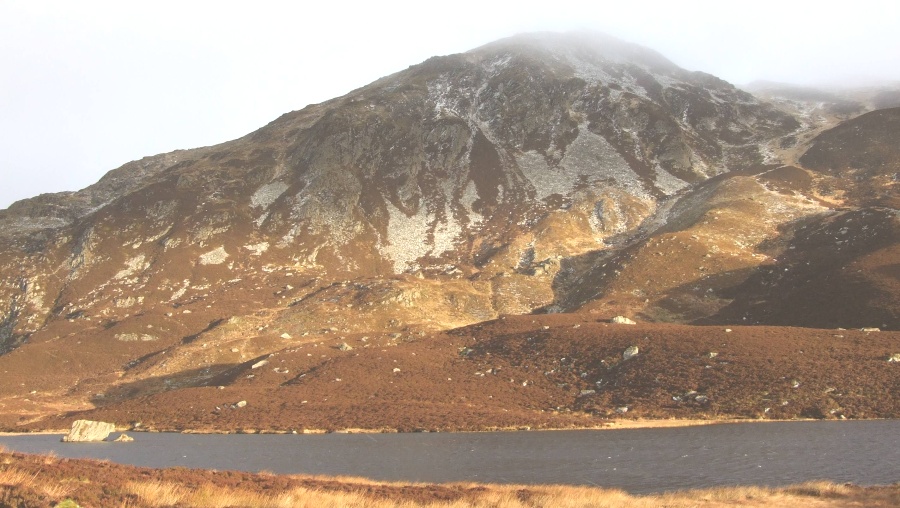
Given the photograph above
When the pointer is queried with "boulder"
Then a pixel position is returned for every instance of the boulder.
(123, 438)
(343, 346)
(894, 358)
(87, 431)
(632, 351)
(622, 320)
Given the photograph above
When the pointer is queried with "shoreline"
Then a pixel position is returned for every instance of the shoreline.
(623, 424)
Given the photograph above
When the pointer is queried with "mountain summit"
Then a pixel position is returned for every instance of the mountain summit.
(540, 173)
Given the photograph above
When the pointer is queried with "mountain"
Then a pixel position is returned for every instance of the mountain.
(543, 173)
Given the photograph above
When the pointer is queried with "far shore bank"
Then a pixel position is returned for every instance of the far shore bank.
(620, 424)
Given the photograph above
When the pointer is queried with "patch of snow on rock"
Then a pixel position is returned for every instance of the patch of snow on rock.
(446, 233)
(34, 295)
(668, 183)
(546, 180)
(469, 196)
(593, 158)
(180, 292)
(405, 237)
(133, 265)
(267, 194)
(258, 248)
(214, 257)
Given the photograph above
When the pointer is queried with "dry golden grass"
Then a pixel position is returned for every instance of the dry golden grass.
(50, 458)
(13, 477)
(157, 493)
(819, 489)
(40, 480)
(812, 495)
(210, 496)
(16, 478)
(57, 490)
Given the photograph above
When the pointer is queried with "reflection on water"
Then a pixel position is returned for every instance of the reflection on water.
(637, 460)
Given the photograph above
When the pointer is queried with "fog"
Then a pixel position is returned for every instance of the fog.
(87, 86)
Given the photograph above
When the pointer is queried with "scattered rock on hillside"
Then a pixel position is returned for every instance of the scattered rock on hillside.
(88, 431)
(630, 352)
(259, 364)
(242, 403)
(894, 358)
(622, 320)
(135, 337)
(343, 346)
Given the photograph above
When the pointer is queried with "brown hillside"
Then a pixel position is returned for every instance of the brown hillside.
(866, 150)
(523, 371)
(842, 270)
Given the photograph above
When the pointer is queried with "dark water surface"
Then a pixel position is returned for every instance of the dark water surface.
(637, 460)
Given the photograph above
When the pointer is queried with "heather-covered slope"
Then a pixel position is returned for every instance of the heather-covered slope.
(866, 151)
(547, 371)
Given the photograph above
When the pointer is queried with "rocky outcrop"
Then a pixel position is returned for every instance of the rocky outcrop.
(630, 352)
(88, 431)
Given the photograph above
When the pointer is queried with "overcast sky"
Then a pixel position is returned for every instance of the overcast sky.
(86, 86)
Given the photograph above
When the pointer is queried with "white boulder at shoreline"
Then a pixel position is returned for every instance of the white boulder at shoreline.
(84, 431)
